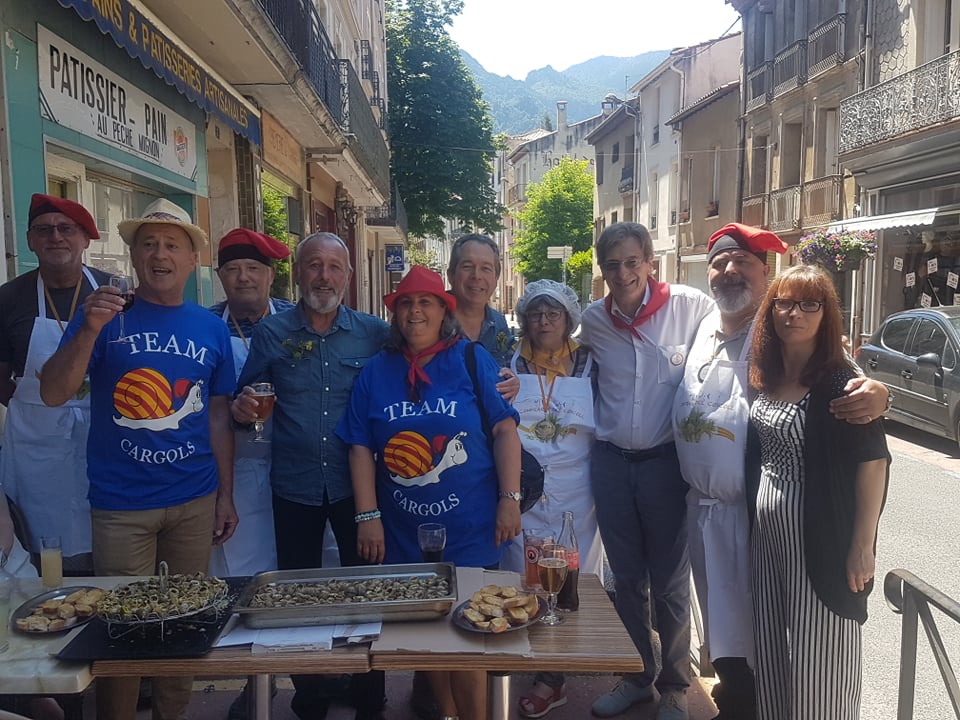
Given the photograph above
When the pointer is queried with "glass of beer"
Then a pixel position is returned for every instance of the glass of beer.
(263, 392)
(552, 568)
(51, 561)
(533, 541)
(433, 539)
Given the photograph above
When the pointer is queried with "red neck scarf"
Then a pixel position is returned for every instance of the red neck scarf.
(416, 373)
(659, 294)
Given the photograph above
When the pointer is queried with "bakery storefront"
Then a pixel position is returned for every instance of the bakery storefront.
(98, 118)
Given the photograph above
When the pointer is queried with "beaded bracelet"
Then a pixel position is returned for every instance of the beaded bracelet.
(369, 515)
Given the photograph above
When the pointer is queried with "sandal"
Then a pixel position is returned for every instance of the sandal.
(536, 706)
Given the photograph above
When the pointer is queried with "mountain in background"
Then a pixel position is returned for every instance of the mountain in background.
(518, 106)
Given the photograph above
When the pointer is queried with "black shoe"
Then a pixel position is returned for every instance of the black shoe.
(306, 709)
(421, 699)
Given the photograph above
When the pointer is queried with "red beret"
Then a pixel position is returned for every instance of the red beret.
(43, 204)
(243, 244)
(751, 239)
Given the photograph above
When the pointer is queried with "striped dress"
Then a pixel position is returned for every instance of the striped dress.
(808, 657)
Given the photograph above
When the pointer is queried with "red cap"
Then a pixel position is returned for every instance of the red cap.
(421, 280)
(751, 239)
(42, 204)
(243, 244)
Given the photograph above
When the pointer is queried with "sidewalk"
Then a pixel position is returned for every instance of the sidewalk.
(211, 699)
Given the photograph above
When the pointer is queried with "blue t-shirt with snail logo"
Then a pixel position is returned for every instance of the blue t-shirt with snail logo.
(149, 442)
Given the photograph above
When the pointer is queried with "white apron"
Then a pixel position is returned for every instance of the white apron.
(43, 466)
(711, 446)
(253, 548)
(565, 461)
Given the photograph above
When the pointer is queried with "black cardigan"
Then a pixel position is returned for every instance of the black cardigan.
(832, 451)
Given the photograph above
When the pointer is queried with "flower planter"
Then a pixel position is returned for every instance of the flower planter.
(836, 250)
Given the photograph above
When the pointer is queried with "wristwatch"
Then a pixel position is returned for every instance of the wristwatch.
(512, 495)
(890, 397)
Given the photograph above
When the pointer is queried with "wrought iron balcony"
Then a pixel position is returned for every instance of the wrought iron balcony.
(826, 45)
(366, 60)
(754, 210)
(919, 98)
(822, 200)
(298, 24)
(790, 68)
(785, 209)
(626, 180)
(759, 86)
(390, 214)
(363, 131)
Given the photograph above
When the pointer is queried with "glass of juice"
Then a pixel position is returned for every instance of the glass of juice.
(51, 561)
(263, 392)
(433, 539)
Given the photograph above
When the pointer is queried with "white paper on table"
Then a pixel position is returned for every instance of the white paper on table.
(295, 639)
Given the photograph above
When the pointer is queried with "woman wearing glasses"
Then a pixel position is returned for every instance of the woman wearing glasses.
(822, 485)
(555, 403)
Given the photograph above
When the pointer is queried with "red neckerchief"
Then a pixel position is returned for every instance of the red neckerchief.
(416, 373)
(659, 294)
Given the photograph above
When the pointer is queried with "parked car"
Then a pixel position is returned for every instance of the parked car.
(914, 353)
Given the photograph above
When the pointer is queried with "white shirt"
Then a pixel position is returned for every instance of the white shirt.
(638, 379)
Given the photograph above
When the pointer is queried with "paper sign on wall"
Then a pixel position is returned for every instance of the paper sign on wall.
(932, 266)
(898, 264)
(910, 279)
(925, 300)
(952, 279)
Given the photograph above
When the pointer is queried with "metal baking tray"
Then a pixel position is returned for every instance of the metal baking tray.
(338, 613)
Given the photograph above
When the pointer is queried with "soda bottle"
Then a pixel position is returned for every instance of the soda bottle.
(569, 597)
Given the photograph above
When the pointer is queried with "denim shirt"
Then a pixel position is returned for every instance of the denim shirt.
(496, 337)
(312, 374)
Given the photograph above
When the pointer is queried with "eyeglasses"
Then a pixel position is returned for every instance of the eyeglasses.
(785, 305)
(551, 315)
(45, 231)
(612, 266)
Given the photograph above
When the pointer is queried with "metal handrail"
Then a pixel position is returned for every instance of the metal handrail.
(908, 595)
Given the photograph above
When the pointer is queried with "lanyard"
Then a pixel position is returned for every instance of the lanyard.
(73, 305)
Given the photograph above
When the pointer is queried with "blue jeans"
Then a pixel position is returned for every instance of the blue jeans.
(642, 513)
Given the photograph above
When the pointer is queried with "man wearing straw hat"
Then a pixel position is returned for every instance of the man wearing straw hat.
(160, 451)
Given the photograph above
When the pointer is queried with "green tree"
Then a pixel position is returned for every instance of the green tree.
(275, 225)
(580, 273)
(546, 123)
(417, 254)
(559, 211)
(442, 144)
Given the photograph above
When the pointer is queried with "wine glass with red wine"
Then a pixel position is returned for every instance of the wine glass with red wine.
(123, 283)
(432, 538)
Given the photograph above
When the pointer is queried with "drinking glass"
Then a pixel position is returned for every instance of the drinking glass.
(533, 541)
(552, 567)
(263, 392)
(123, 283)
(433, 539)
(51, 561)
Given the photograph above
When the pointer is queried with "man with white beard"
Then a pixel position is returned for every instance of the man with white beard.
(312, 354)
(710, 419)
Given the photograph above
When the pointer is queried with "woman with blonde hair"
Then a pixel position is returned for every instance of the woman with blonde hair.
(822, 485)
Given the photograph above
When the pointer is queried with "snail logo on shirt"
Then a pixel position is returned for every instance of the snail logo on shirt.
(413, 461)
(144, 400)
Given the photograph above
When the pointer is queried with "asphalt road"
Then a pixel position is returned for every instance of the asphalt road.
(919, 532)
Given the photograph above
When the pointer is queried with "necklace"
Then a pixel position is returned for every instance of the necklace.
(243, 337)
(73, 305)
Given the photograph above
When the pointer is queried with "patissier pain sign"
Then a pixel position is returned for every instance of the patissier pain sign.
(79, 93)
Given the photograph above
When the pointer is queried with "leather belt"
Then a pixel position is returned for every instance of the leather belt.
(639, 455)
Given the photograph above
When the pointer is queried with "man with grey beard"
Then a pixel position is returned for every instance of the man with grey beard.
(312, 354)
(710, 420)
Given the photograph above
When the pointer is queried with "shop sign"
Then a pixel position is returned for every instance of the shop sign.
(394, 258)
(79, 93)
(137, 33)
(280, 150)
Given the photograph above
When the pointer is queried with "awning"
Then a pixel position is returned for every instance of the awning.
(912, 218)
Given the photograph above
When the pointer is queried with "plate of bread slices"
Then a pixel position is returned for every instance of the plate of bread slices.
(497, 609)
(57, 610)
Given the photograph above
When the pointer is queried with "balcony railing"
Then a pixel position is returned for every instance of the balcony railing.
(919, 98)
(626, 179)
(375, 86)
(363, 130)
(366, 60)
(299, 26)
(822, 200)
(754, 210)
(790, 68)
(759, 86)
(390, 214)
(516, 194)
(785, 209)
(826, 45)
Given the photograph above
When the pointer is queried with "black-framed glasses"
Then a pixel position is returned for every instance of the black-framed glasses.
(551, 315)
(45, 231)
(610, 267)
(785, 305)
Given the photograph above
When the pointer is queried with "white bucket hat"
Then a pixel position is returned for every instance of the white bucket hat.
(168, 213)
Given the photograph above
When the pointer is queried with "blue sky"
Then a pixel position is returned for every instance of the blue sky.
(513, 37)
